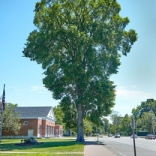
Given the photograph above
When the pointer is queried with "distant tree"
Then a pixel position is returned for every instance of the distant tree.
(79, 44)
(115, 117)
(125, 127)
(66, 115)
(59, 115)
(88, 126)
(110, 129)
(11, 122)
(146, 122)
(116, 121)
(105, 125)
(136, 112)
(146, 106)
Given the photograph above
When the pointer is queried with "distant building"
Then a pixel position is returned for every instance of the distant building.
(36, 122)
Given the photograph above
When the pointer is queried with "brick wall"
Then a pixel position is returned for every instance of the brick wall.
(37, 125)
(58, 130)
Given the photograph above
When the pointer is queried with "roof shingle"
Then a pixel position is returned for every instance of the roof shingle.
(33, 111)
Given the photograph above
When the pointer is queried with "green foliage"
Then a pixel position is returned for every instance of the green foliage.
(47, 148)
(146, 106)
(125, 127)
(120, 124)
(146, 122)
(105, 125)
(102, 126)
(11, 120)
(70, 115)
(116, 121)
(59, 114)
(66, 115)
(88, 126)
(115, 117)
(79, 44)
(145, 115)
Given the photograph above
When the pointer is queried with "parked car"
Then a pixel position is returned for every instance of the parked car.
(150, 136)
(135, 136)
(117, 135)
(109, 135)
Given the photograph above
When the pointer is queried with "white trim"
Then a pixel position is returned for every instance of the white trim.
(49, 119)
(51, 114)
(44, 118)
(31, 118)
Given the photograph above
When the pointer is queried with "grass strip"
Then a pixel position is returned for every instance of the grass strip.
(63, 147)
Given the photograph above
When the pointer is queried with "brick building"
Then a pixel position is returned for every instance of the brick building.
(36, 122)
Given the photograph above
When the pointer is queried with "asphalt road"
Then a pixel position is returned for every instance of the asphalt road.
(124, 146)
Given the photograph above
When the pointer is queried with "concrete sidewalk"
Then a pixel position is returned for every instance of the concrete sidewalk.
(92, 148)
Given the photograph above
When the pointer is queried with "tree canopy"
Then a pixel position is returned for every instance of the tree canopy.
(59, 114)
(11, 120)
(146, 122)
(125, 127)
(116, 120)
(79, 44)
(146, 106)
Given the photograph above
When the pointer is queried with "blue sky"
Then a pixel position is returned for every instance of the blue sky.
(136, 78)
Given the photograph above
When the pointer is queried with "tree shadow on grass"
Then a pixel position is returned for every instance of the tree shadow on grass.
(67, 145)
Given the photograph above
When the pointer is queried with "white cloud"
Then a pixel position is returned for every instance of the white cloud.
(125, 93)
(38, 88)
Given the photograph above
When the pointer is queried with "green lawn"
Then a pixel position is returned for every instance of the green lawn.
(49, 147)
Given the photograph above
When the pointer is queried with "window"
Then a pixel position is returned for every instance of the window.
(25, 123)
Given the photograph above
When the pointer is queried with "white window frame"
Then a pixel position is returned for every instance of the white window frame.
(25, 123)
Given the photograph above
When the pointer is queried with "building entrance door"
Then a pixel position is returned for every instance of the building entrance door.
(30, 133)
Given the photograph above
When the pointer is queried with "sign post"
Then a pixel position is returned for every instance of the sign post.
(97, 134)
(133, 127)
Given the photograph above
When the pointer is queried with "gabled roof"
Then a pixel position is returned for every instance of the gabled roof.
(36, 112)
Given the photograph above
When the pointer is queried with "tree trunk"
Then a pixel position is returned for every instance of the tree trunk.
(80, 135)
